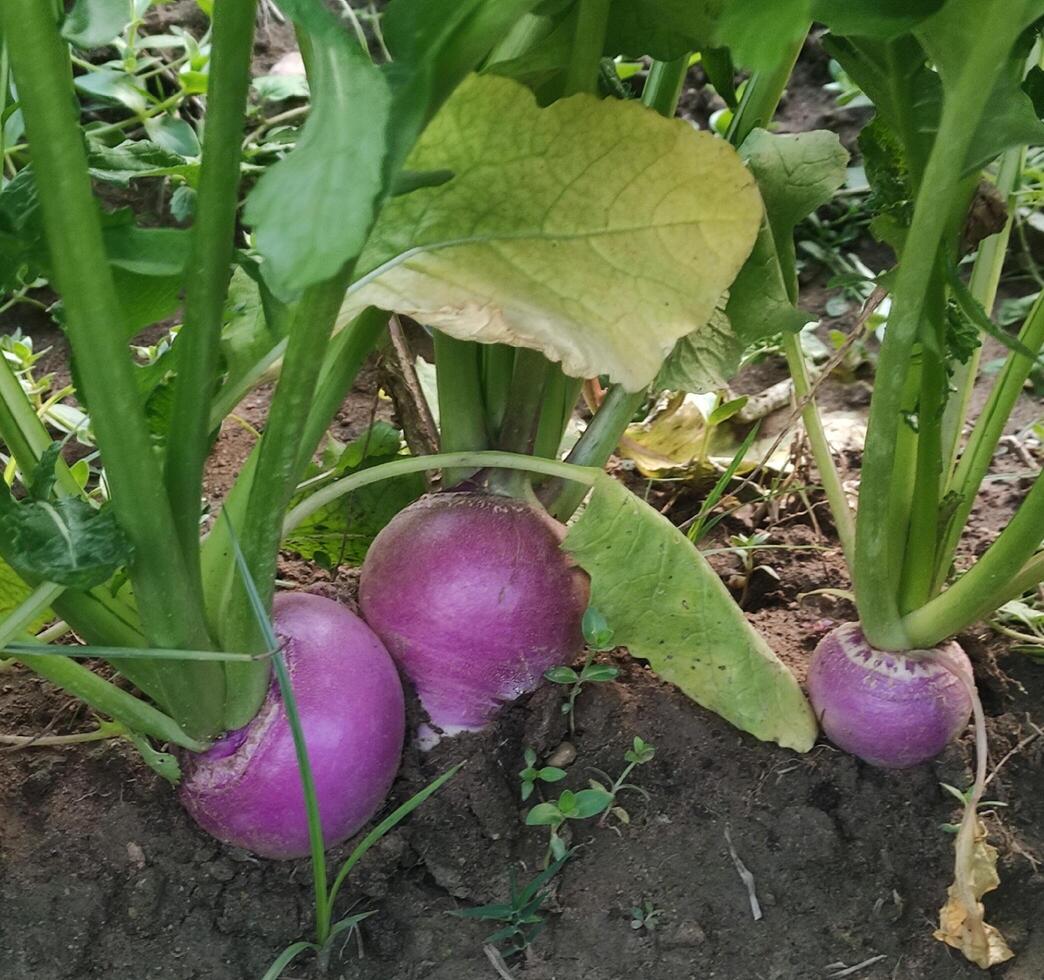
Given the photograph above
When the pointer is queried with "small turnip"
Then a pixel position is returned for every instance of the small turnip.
(474, 598)
(246, 789)
(891, 709)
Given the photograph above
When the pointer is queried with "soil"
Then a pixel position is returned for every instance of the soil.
(102, 875)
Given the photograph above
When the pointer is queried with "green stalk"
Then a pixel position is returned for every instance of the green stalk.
(462, 423)
(24, 433)
(844, 521)
(586, 475)
(989, 427)
(985, 278)
(162, 585)
(207, 273)
(20, 618)
(663, 85)
(273, 486)
(108, 699)
(341, 364)
(498, 363)
(918, 564)
(588, 43)
(962, 109)
(761, 95)
(560, 397)
(525, 400)
(990, 582)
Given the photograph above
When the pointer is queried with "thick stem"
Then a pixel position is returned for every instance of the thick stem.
(207, 273)
(919, 551)
(962, 109)
(663, 85)
(588, 43)
(844, 520)
(560, 397)
(498, 364)
(989, 583)
(108, 699)
(761, 95)
(985, 278)
(525, 400)
(273, 486)
(989, 427)
(462, 423)
(341, 364)
(162, 585)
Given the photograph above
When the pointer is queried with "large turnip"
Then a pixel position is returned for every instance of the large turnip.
(246, 789)
(474, 598)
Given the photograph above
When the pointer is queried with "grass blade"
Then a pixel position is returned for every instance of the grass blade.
(275, 971)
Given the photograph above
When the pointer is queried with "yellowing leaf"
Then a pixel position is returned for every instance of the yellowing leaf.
(13, 592)
(666, 605)
(595, 231)
(964, 928)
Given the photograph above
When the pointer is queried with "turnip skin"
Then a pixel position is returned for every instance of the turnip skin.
(890, 709)
(474, 599)
(246, 790)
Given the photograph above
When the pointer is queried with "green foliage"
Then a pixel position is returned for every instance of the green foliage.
(667, 606)
(515, 248)
(311, 211)
(531, 775)
(520, 914)
(796, 174)
(341, 532)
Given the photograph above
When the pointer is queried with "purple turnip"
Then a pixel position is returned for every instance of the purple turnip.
(892, 709)
(474, 598)
(246, 789)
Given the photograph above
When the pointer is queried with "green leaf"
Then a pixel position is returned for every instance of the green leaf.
(311, 211)
(544, 815)
(597, 634)
(13, 592)
(663, 29)
(573, 230)
(756, 32)
(112, 86)
(562, 675)
(94, 23)
(599, 673)
(173, 134)
(343, 530)
(666, 604)
(873, 18)
(249, 332)
(551, 774)
(135, 158)
(277, 88)
(796, 173)
(705, 359)
(589, 803)
(63, 541)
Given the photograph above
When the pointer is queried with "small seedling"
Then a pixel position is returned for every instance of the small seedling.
(964, 798)
(531, 775)
(521, 915)
(640, 753)
(581, 805)
(598, 635)
(644, 916)
(745, 546)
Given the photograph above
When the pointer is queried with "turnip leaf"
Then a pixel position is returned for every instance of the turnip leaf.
(597, 232)
(667, 606)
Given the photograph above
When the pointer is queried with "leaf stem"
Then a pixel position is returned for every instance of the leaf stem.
(273, 486)
(990, 582)
(207, 274)
(962, 109)
(581, 75)
(162, 585)
(462, 422)
(761, 95)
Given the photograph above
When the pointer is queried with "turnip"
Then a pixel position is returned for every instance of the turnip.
(892, 709)
(246, 789)
(474, 599)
